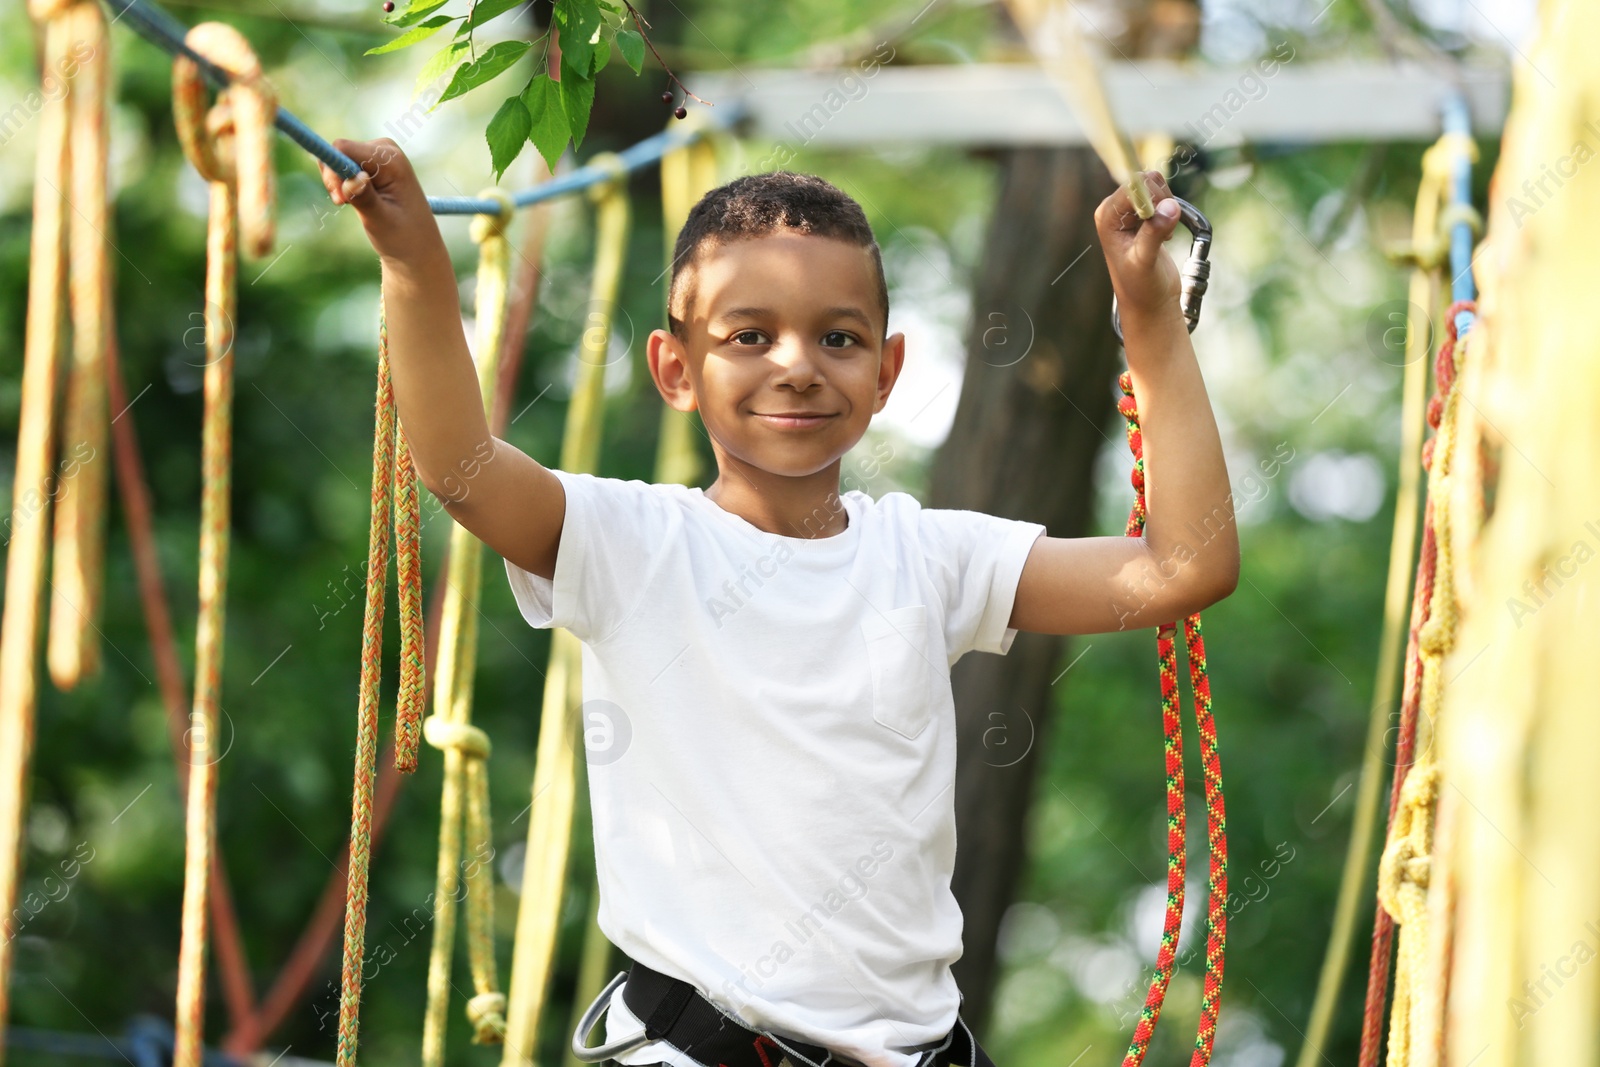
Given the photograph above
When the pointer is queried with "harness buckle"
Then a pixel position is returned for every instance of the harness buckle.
(591, 1016)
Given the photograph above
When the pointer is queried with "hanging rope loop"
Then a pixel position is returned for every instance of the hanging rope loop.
(1177, 821)
(464, 818)
(230, 142)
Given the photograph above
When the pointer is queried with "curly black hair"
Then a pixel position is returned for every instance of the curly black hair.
(760, 204)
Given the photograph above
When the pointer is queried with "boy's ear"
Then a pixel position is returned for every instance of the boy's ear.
(889, 367)
(669, 366)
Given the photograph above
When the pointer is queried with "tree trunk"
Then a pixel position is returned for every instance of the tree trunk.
(1036, 407)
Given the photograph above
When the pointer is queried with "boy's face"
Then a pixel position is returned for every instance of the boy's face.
(783, 350)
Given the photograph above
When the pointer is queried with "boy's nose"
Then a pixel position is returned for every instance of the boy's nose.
(797, 364)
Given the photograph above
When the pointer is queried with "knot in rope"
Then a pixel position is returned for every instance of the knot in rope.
(464, 737)
(231, 142)
(1406, 866)
(1455, 215)
(487, 1013)
(484, 227)
(1421, 786)
(1441, 157)
(1434, 639)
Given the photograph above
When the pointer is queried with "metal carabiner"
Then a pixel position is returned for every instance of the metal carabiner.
(1196, 271)
(591, 1016)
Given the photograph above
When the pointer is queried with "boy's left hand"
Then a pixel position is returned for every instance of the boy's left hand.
(1143, 275)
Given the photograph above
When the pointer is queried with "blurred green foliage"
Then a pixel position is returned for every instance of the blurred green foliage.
(1293, 348)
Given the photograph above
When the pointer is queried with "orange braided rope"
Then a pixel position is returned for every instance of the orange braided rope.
(391, 485)
(230, 146)
(1177, 821)
(298, 970)
(412, 696)
(78, 564)
(32, 490)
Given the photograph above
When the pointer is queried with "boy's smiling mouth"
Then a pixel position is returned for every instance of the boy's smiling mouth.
(794, 419)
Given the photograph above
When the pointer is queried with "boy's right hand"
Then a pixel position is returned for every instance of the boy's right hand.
(386, 194)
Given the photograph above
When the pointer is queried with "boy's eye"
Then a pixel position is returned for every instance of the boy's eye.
(837, 339)
(749, 337)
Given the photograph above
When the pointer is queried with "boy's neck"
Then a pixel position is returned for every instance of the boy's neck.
(808, 506)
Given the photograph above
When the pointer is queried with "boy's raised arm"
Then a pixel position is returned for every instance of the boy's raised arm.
(506, 499)
(1188, 557)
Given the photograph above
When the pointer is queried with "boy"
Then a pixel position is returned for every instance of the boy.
(774, 823)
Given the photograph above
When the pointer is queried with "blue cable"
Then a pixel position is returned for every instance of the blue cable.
(152, 23)
(1458, 120)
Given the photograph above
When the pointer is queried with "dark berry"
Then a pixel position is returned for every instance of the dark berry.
(388, 5)
(681, 112)
(666, 97)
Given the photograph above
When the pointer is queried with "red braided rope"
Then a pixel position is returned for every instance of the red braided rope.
(1444, 369)
(1216, 822)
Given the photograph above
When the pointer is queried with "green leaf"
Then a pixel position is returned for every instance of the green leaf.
(631, 45)
(577, 100)
(494, 60)
(602, 55)
(484, 10)
(413, 35)
(415, 12)
(437, 64)
(507, 133)
(549, 130)
(580, 31)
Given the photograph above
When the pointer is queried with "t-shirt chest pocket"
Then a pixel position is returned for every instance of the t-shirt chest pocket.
(902, 668)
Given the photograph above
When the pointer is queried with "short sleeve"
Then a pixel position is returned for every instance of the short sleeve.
(609, 543)
(975, 560)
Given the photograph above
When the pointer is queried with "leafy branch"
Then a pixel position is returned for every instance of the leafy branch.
(548, 111)
(641, 24)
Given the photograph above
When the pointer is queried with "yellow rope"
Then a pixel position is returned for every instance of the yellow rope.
(78, 564)
(687, 174)
(32, 487)
(555, 775)
(230, 147)
(1048, 25)
(449, 727)
(1427, 221)
(1405, 868)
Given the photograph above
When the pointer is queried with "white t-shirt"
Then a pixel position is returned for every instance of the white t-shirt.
(770, 737)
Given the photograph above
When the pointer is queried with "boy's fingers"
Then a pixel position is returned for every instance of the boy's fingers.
(1158, 228)
(353, 189)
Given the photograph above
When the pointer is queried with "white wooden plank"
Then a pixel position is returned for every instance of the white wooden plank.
(1000, 104)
